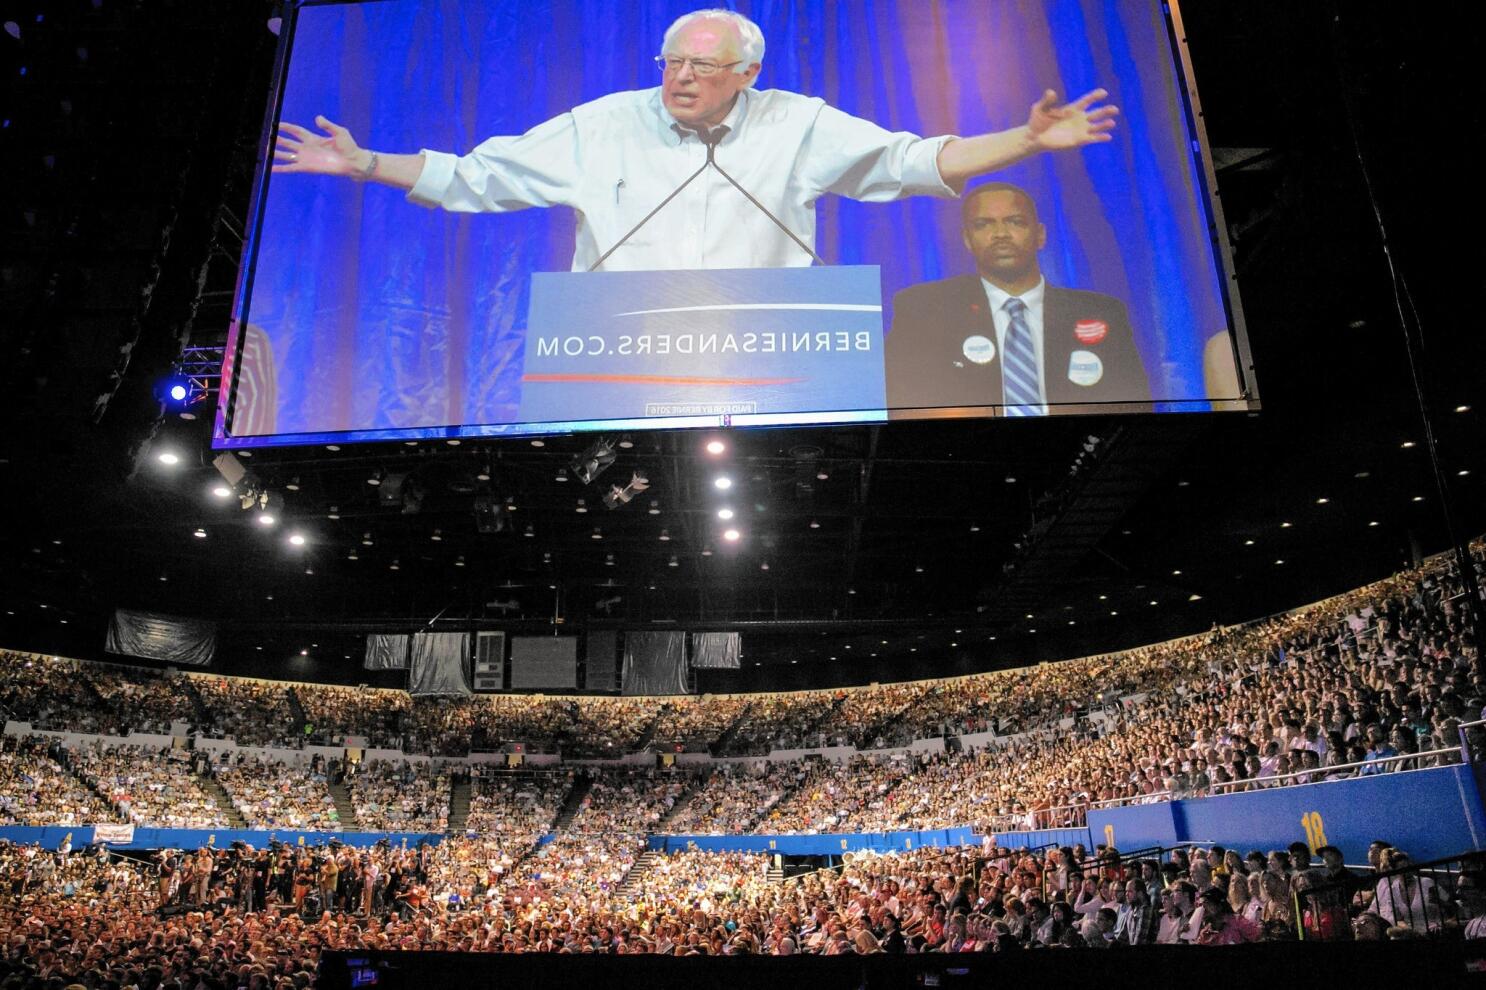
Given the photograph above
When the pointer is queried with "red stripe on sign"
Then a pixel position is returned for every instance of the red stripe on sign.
(659, 380)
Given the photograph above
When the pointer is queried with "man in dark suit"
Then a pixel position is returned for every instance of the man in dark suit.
(1003, 336)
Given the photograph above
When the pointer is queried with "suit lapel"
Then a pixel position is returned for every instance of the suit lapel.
(975, 319)
(1057, 324)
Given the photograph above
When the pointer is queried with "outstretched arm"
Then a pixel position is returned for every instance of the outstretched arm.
(1049, 127)
(335, 152)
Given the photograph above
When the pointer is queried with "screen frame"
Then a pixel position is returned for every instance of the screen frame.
(1200, 160)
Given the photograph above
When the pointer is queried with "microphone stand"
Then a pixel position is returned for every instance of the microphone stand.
(710, 138)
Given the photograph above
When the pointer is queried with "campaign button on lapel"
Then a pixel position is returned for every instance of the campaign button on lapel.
(1085, 368)
(1090, 331)
(978, 349)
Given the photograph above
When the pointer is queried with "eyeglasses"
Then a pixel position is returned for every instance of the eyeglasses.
(702, 67)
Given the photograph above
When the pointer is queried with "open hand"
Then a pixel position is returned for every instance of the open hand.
(1072, 125)
(297, 149)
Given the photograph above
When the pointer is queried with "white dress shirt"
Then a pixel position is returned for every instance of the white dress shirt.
(1033, 299)
(614, 159)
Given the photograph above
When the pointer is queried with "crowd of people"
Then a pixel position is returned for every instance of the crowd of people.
(400, 797)
(270, 794)
(148, 785)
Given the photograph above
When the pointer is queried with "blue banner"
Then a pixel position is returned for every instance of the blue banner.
(742, 344)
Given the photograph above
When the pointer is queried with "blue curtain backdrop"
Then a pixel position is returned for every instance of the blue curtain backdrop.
(385, 316)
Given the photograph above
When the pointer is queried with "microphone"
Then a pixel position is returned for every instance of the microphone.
(711, 138)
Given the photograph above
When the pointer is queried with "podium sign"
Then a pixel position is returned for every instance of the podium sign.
(692, 348)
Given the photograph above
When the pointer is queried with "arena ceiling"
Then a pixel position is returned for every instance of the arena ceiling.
(868, 553)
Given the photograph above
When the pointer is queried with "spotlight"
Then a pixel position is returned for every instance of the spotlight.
(723, 483)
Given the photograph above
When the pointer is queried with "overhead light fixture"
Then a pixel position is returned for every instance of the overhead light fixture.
(437, 536)
(200, 533)
(654, 509)
(332, 446)
(168, 457)
(581, 507)
(222, 491)
(484, 473)
(625, 443)
(453, 442)
(352, 555)
(562, 475)
(1322, 500)
(822, 475)
(393, 566)
(715, 447)
(974, 528)
(266, 518)
(608, 560)
(293, 484)
(334, 513)
(764, 566)
(665, 536)
(366, 539)
(616, 496)
(297, 539)
(673, 562)
(1408, 445)
(529, 532)
(724, 514)
(732, 535)
(722, 483)
(706, 551)
(1194, 597)
(1373, 523)
(539, 443)
(1286, 525)
(1462, 409)
(459, 561)
(594, 461)
(375, 478)
(597, 534)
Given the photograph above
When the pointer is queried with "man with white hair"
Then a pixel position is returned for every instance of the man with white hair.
(614, 159)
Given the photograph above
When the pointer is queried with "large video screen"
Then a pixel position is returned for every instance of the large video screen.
(468, 220)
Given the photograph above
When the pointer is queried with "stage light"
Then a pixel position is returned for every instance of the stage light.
(617, 496)
(596, 459)
(168, 457)
(716, 447)
(724, 514)
(723, 483)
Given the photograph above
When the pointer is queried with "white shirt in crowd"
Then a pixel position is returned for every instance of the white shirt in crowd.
(615, 159)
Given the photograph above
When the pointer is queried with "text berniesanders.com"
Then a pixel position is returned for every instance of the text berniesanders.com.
(765, 342)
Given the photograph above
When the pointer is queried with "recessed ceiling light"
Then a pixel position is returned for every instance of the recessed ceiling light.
(1113, 612)
(266, 519)
(625, 443)
(974, 528)
(437, 536)
(297, 539)
(764, 566)
(200, 533)
(1373, 523)
(814, 524)
(169, 457)
(724, 514)
(394, 566)
(1322, 500)
(723, 483)
(1286, 525)
(1194, 597)
(1176, 573)
(597, 534)
(654, 509)
(539, 443)
(665, 536)
(1277, 563)
(716, 446)
(1407, 444)
(1418, 498)
(222, 491)
(1462, 409)
(1104, 598)
(1363, 474)
(918, 568)
(1248, 543)
(731, 535)
(851, 591)
(332, 446)
(1462, 473)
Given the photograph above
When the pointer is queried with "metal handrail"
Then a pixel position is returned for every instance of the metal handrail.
(1324, 771)
(1121, 802)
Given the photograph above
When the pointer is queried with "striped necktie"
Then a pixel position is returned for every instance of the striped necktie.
(1019, 377)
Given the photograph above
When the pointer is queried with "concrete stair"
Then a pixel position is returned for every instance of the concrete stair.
(219, 794)
(570, 804)
(345, 809)
(459, 806)
(631, 881)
